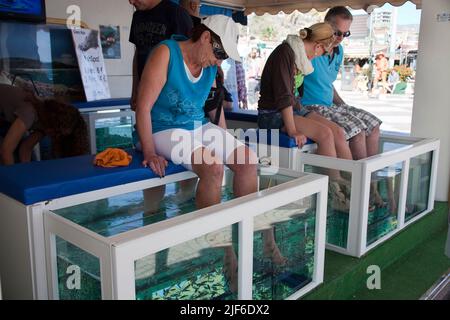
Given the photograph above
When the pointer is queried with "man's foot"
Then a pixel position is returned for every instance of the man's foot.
(345, 186)
(339, 200)
(274, 253)
(377, 200)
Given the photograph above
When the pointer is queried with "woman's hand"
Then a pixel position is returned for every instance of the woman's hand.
(157, 163)
(300, 139)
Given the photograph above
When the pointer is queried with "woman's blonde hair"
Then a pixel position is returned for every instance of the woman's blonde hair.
(321, 33)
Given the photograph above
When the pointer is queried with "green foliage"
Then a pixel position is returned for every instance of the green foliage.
(404, 72)
(269, 33)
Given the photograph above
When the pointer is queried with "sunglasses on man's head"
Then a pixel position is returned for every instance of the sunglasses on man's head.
(339, 33)
(218, 50)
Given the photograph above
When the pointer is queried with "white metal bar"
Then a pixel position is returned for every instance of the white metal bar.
(106, 275)
(303, 291)
(339, 249)
(392, 157)
(107, 115)
(320, 232)
(328, 162)
(401, 208)
(80, 198)
(382, 239)
(417, 217)
(245, 268)
(52, 270)
(399, 138)
(354, 221)
(124, 282)
(364, 210)
(433, 180)
(37, 248)
(75, 233)
(118, 107)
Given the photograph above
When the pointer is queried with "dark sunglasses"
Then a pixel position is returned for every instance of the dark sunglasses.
(339, 33)
(218, 50)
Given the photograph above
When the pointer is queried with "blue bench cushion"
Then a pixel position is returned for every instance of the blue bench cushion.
(33, 182)
(252, 116)
(284, 140)
(247, 116)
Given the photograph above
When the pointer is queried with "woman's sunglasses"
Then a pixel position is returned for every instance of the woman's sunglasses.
(342, 34)
(218, 50)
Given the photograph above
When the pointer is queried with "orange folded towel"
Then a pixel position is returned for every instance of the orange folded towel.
(112, 157)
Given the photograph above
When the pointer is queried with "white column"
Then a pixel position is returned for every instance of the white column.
(393, 39)
(431, 111)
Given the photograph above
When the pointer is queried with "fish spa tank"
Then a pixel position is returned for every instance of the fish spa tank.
(378, 196)
(154, 244)
(110, 129)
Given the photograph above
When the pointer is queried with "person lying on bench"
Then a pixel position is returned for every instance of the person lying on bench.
(25, 119)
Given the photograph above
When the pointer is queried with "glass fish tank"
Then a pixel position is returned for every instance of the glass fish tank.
(285, 243)
(114, 132)
(373, 198)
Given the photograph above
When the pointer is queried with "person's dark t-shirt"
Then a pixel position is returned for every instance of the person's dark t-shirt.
(278, 80)
(196, 20)
(150, 27)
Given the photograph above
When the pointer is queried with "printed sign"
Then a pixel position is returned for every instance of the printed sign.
(91, 63)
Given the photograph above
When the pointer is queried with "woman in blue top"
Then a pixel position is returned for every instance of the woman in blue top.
(170, 119)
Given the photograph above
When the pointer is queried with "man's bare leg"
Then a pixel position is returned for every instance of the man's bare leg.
(342, 148)
(373, 142)
(358, 146)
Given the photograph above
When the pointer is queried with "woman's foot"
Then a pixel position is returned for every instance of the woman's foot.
(230, 269)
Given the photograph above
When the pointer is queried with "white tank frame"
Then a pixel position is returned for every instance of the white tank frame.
(361, 171)
(118, 253)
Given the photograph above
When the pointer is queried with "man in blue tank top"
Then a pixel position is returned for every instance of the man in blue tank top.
(362, 128)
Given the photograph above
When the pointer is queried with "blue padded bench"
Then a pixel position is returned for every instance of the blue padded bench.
(251, 116)
(284, 140)
(34, 182)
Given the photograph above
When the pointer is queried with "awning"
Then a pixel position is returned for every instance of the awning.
(287, 6)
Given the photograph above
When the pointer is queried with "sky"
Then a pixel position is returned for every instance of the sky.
(406, 14)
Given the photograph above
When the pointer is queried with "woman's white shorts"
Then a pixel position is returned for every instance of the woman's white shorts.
(178, 145)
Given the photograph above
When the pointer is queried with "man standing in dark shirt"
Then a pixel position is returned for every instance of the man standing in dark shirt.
(153, 21)
(193, 8)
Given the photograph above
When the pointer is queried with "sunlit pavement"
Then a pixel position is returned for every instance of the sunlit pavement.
(394, 110)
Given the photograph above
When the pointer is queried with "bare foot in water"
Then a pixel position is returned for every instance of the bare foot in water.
(274, 253)
(230, 269)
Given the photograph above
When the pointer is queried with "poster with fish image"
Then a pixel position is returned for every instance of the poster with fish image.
(92, 66)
